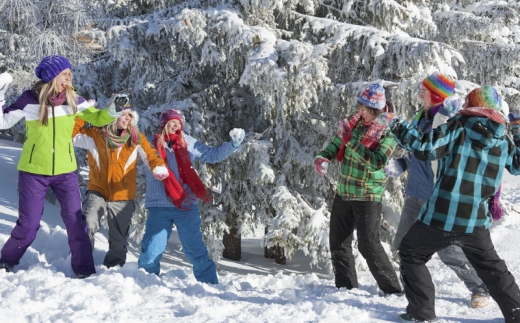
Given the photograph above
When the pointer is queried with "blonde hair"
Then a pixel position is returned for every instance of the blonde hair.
(112, 128)
(46, 90)
(164, 132)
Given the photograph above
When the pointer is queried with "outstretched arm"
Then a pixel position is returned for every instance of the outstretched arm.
(99, 118)
(425, 146)
(209, 154)
(16, 113)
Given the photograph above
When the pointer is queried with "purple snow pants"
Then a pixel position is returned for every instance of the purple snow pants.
(32, 189)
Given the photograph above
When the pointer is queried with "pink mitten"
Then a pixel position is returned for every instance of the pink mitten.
(321, 164)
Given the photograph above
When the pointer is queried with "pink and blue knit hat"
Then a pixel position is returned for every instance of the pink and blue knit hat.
(485, 96)
(373, 97)
(50, 67)
(168, 115)
(440, 87)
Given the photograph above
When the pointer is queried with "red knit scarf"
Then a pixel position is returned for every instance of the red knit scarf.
(174, 191)
(372, 136)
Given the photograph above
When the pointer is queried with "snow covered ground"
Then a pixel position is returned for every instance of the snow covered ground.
(43, 288)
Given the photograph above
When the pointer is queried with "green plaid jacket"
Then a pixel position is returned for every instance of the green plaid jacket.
(362, 177)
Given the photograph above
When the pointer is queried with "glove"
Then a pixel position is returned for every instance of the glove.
(5, 80)
(237, 135)
(453, 104)
(321, 164)
(385, 118)
(160, 173)
(495, 206)
(117, 104)
(120, 101)
(344, 130)
(393, 168)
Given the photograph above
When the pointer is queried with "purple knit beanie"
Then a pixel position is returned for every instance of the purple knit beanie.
(50, 67)
(170, 115)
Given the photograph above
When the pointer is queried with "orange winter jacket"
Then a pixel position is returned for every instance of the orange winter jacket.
(113, 171)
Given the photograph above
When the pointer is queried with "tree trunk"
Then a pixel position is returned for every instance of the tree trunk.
(232, 245)
(277, 253)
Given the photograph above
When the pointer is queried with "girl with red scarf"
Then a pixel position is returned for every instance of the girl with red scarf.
(174, 200)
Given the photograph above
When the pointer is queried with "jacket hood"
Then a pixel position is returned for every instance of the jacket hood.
(483, 132)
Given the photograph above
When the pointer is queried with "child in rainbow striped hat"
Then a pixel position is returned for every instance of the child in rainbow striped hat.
(475, 152)
(436, 90)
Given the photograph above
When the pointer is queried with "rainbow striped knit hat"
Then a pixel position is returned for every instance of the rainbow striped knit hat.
(485, 96)
(440, 87)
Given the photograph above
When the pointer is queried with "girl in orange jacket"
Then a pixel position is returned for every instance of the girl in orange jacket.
(111, 188)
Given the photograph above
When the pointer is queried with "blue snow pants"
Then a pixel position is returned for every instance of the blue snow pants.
(157, 232)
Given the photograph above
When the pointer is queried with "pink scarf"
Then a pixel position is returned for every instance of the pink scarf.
(372, 136)
(58, 99)
(484, 112)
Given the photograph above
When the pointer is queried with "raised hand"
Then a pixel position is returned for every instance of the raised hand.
(321, 165)
(237, 135)
(344, 131)
(5, 80)
(453, 104)
(120, 101)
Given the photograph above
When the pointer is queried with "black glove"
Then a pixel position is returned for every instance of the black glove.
(120, 102)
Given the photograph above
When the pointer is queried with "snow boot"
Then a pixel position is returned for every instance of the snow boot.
(82, 276)
(406, 318)
(5, 267)
(479, 300)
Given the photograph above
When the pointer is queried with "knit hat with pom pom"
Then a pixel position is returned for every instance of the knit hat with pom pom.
(373, 97)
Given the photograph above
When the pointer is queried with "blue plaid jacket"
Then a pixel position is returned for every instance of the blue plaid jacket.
(473, 152)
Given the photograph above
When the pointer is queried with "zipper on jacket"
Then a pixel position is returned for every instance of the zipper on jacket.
(32, 151)
(70, 152)
(53, 138)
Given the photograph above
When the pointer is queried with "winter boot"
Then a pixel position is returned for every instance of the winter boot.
(82, 276)
(406, 318)
(479, 300)
(5, 267)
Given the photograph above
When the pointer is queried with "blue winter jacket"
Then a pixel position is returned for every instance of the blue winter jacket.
(155, 193)
(420, 181)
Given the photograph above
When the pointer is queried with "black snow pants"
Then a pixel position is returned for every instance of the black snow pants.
(365, 216)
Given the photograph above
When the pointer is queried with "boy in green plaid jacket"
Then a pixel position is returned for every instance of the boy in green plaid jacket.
(363, 146)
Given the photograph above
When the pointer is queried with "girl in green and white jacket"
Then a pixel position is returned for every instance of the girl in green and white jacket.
(48, 160)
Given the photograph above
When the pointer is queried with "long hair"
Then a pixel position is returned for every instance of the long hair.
(132, 127)
(163, 132)
(49, 89)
